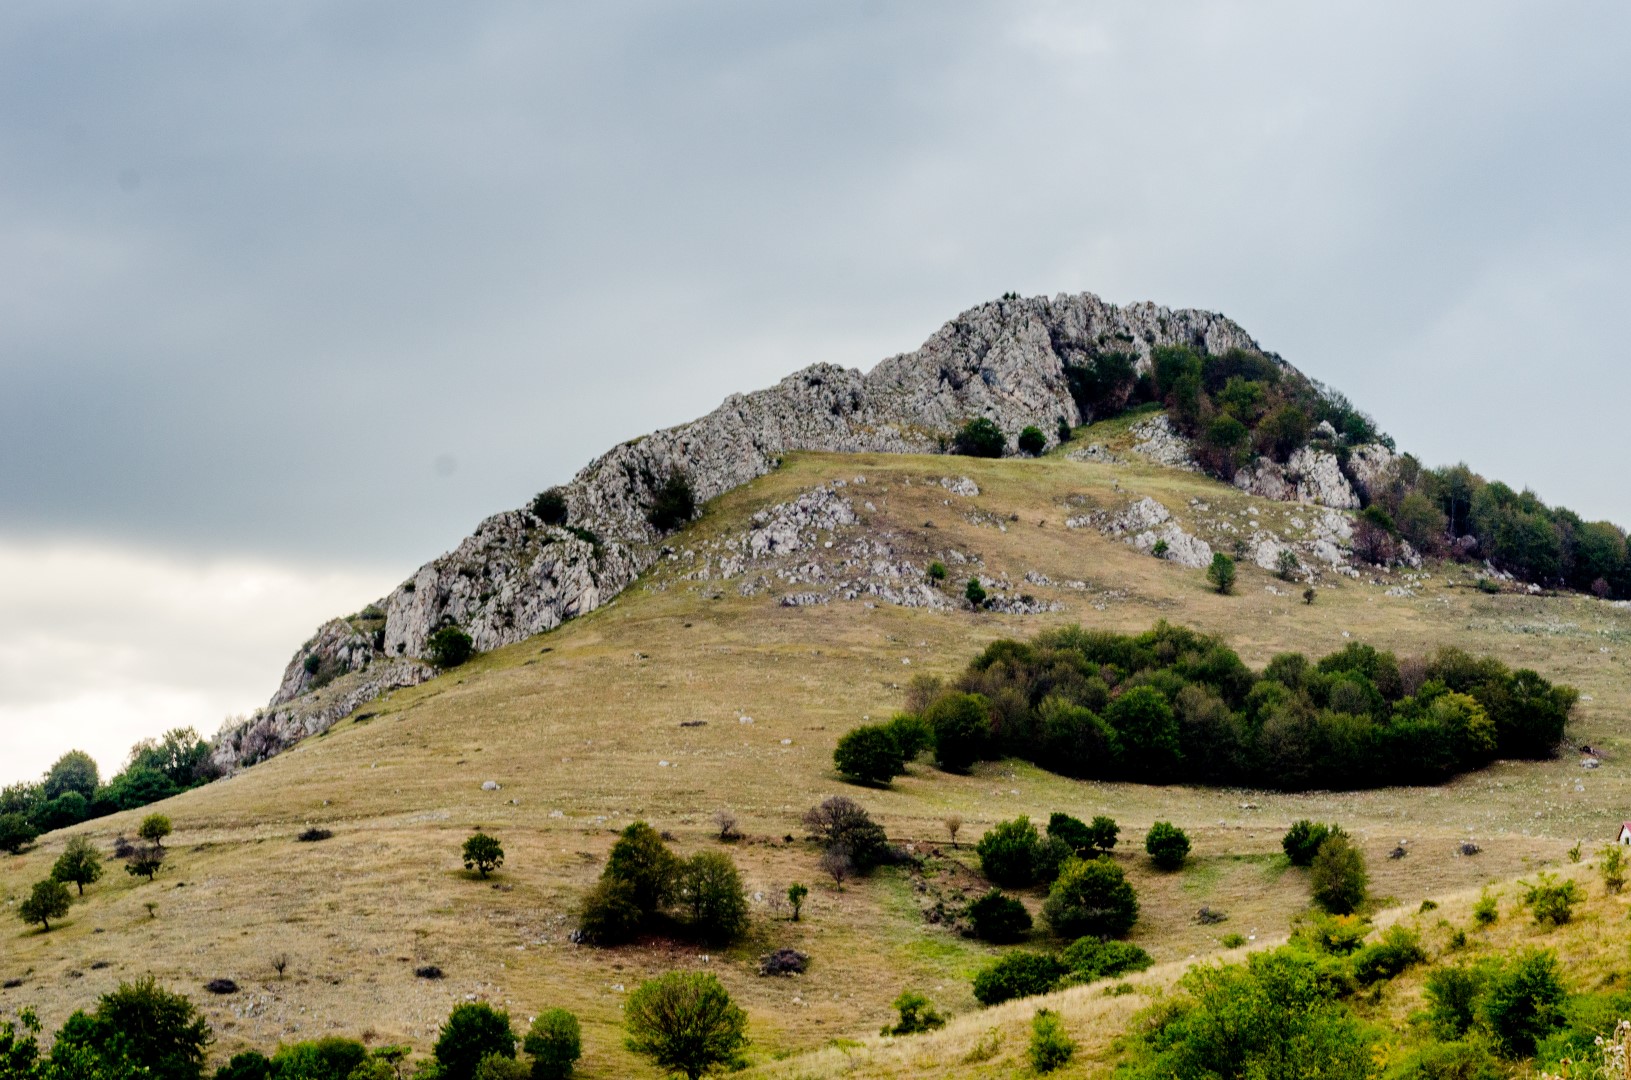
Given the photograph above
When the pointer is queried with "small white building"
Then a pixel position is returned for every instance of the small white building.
(1625, 832)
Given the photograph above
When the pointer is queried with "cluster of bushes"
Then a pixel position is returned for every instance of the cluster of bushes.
(981, 437)
(851, 842)
(1174, 705)
(646, 888)
(1025, 974)
(72, 790)
(80, 864)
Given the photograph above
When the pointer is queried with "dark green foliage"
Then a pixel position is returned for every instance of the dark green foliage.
(1522, 1002)
(145, 861)
(1103, 385)
(1072, 831)
(962, 730)
(685, 1023)
(1166, 845)
(137, 786)
(1091, 897)
(1398, 949)
(1551, 901)
(640, 858)
(1302, 841)
(842, 825)
(1048, 857)
(999, 919)
(16, 833)
(50, 899)
(871, 754)
(550, 506)
(710, 891)
(1452, 997)
(912, 735)
(554, 1042)
(974, 593)
(473, 1030)
(74, 771)
(1337, 876)
(449, 647)
(249, 1065)
(330, 1058)
(20, 1047)
(672, 504)
(1089, 959)
(1032, 441)
(1016, 975)
(1146, 730)
(979, 438)
(1005, 852)
(1461, 1060)
(937, 571)
(79, 864)
(483, 854)
(1051, 1048)
(1101, 834)
(917, 1014)
(138, 1029)
(1221, 573)
(181, 757)
(610, 914)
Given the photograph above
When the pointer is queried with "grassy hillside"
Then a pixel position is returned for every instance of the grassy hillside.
(585, 729)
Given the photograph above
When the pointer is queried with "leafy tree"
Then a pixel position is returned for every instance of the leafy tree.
(672, 504)
(842, 825)
(1166, 845)
(483, 854)
(1015, 975)
(247, 1065)
(1221, 573)
(80, 863)
(49, 900)
(1091, 897)
(937, 571)
(686, 1023)
(1302, 841)
(1101, 834)
(473, 1030)
(154, 828)
(999, 919)
(138, 1029)
(16, 833)
(1338, 876)
(1452, 993)
(611, 913)
(1285, 564)
(549, 506)
(640, 858)
(711, 891)
(1551, 901)
(912, 735)
(1032, 441)
(1006, 851)
(74, 771)
(1047, 858)
(328, 1058)
(974, 593)
(917, 1014)
(870, 753)
(145, 861)
(1147, 730)
(449, 647)
(980, 438)
(1073, 831)
(1051, 1048)
(1523, 1002)
(1089, 958)
(137, 786)
(962, 728)
(795, 898)
(554, 1042)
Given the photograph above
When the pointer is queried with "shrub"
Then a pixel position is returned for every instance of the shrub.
(610, 912)
(962, 729)
(50, 899)
(554, 1042)
(842, 825)
(917, 1014)
(1032, 441)
(1050, 1048)
(1102, 832)
(685, 1023)
(937, 571)
(1460, 1060)
(483, 854)
(1160, 548)
(145, 861)
(1302, 841)
(1091, 897)
(1484, 909)
(154, 828)
(869, 753)
(795, 898)
(912, 735)
(499, 1067)
(1221, 573)
(1551, 901)
(711, 891)
(1399, 948)
(138, 1029)
(330, 1058)
(449, 647)
(1089, 959)
(1006, 852)
(784, 961)
(16, 833)
(1232, 940)
(1062, 432)
(672, 503)
(979, 438)
(550, 506)
(1611, 865)
(1166, 845)
(1047, 858)
(1285, 564)
(1016, 975)
(1073, 831)
(80, 863)
(313, 834)
(1338, 876)
(1522, 1002)
(473, 1030)
(974, 593)
(1309, 594)
(1452, 997)
(999, 919)
(640, 858)
(249, 1065)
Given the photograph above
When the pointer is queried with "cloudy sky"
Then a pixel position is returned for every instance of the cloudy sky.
(292, 294)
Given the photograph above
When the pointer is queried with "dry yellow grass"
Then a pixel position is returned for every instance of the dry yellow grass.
(577, 725)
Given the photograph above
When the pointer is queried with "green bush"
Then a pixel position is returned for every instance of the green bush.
(979, 438)
(16, 833)
(912, 735)
(554, 1042)
(1072, 831)
(1302, 841)
(1452, 994)
(75, 772)
(710, 889)
(1551, 901)
(449, 647)
(999, 919)
(248, 1065)
(1006, 853)
(917, 1014)
(974, 593)
(1016, 975)
(1032, 441)
(549, 506)
(871, 754)
(1048, 857)
(1221, 573)
(1102, 832)
(1485, 910)
(331, 1058)
(672, 503)
(1522, 1002)
(1338, 876)
(50, 899)
(685, 1022)
(610, 914)
(1089, 959)
(138, 1029)
(1051, 1048)
(937, 571)
(962, 729)
(1460, 1060)
(640, 858)
(145, 861)
(499, 1067)
(1167, 845)
(1399, 948)
(154, 828)
(1091, 897)
(472, 1031)
(483, 854)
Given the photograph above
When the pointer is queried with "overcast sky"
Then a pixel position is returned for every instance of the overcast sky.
(291, 295)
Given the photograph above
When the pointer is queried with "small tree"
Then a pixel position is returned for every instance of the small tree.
(1032, 441)
(550, 506)
(1551, 901)
(1017, 974)
(610, 914)
(974, 593)
(1302, 841)
(1221, 573)
(917, 1014)
(1091, 897)
(725, 827)
(483, 854)
(842, 823)
(449, 647)
(937, 571)
(673, 503)
(980, 438)
(473, 1030)
(1051, 1048)
(1309, 594)
(962, 730)
(1166, 845)
(1006, 852)
(16, 833)
(838, 864)
(154, 828)
(80, 863)
(1612, 866)
(642, 859)
(870, 754)
(711, 890)
(49, 900)
(1102, 832)
(954, 825)
(138, 1029)
(686, 1023)
(1338, 876)
(1285, 564)
(145, 861)
(554, 1042)
(999, 919)
(1523, 1002)
(795, 898)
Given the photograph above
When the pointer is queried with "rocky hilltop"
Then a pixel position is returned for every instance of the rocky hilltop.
(516, 576)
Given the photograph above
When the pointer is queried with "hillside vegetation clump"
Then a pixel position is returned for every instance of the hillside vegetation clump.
(71, 791)
(1174, 705)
